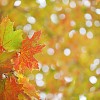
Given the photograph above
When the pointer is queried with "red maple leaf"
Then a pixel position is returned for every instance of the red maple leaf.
(29, 48)
(11, 89)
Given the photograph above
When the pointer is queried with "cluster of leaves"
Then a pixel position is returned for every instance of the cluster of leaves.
(16, 55)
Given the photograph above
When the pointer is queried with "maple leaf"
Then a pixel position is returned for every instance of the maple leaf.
(29, 48)
(29, 89)
(11, 89)
(10, 40)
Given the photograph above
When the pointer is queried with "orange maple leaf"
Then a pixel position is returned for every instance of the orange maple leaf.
(12, 89)
(29, 48)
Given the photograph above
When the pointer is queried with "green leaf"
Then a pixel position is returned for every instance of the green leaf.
(9, 39)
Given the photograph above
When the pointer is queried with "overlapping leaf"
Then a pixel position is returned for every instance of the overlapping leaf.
(5, 62)
(11, 42)
(9, 39)
(29, 89)
(11, 90)
(29, 48)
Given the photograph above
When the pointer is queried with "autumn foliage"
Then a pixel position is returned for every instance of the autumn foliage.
(69, 65)
(16, 55)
